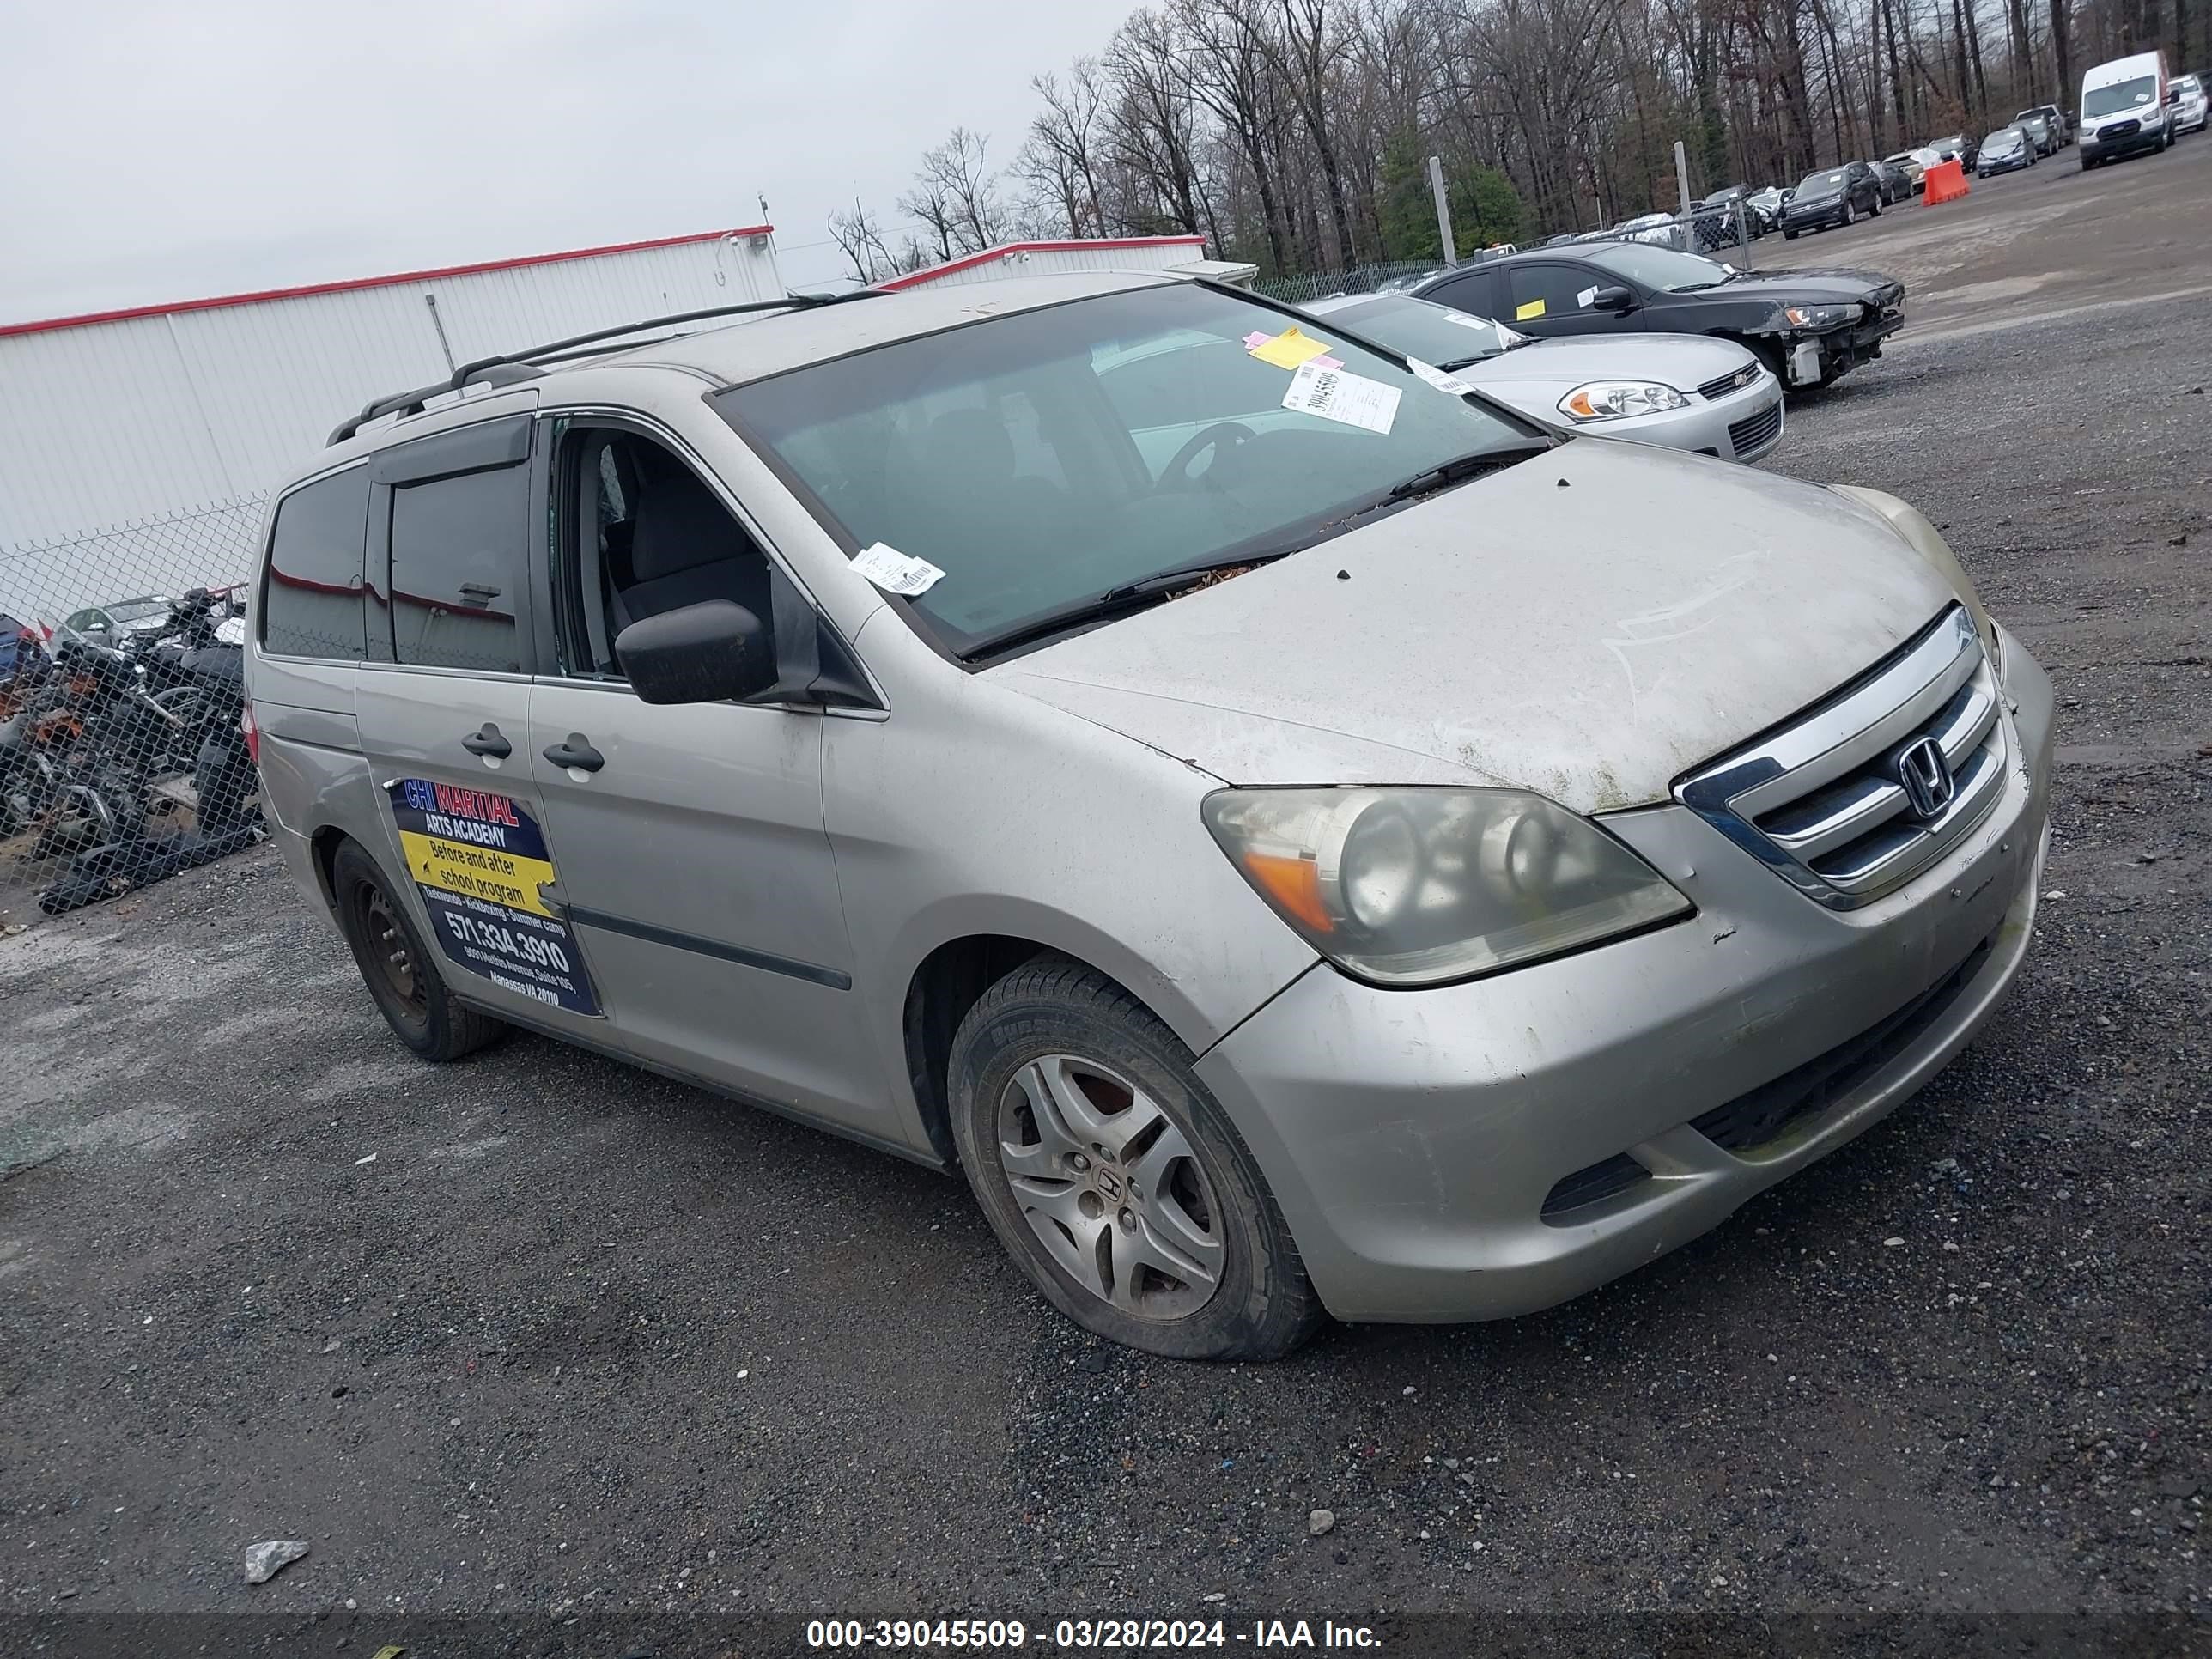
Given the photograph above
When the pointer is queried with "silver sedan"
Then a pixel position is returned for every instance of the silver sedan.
(1683, 391)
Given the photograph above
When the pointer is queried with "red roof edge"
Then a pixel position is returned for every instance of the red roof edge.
(91, 317)
(967, 262)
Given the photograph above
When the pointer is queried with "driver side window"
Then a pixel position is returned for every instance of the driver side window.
(1539, 293)
(643, 534)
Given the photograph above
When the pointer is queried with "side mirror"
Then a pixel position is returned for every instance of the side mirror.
(1612, 297)
(710, 652)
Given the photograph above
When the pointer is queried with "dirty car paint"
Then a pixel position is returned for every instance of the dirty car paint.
(1590, 624)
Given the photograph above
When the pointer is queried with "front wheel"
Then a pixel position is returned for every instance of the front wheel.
(1110, 1174)
(1788, 235)
(396, 964)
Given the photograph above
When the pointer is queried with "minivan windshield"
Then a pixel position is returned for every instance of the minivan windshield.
(2119, 95)
(2004, 138)
(1052, 462)
(1659, 268)
(1435, 334)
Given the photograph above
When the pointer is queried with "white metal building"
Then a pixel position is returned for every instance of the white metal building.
(1043, 258)
(137, 446)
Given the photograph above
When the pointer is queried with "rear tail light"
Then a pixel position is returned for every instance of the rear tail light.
(252, 734)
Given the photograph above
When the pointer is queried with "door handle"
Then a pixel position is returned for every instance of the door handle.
(576, 751)
(488, 741)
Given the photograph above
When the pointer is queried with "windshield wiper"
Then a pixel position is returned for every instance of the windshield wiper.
(1492, 459)
(1161, 582)
(1128, 596)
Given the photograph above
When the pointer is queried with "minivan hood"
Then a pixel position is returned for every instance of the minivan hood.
(1589, 623)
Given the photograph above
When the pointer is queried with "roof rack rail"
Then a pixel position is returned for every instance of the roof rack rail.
(515, 366)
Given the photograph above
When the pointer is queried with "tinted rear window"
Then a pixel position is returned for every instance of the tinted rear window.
(311, 605)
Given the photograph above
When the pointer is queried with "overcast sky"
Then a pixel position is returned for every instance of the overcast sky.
(168, 149)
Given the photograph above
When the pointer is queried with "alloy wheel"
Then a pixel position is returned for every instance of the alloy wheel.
(1111, 1186)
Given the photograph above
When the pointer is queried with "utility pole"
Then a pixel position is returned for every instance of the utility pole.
(1443, 210)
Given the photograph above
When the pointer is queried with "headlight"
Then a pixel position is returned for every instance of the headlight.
(1615, 400)
(1420, 885)
(1820, 316)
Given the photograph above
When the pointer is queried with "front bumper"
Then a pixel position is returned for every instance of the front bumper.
(2132, 143)
(1846, 348)
(1818, 218)
(1413, 1137)
(2019, 163)
(1741, 427)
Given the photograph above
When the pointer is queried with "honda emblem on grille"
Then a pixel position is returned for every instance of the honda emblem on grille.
(1925, 770)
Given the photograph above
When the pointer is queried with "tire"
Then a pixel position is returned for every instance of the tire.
(1850, 212)
(1178, 1184)
(1788, 235)
(397, 966)
(1876, 211)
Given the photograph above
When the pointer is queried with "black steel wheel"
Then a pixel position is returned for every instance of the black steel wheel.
(397, 966)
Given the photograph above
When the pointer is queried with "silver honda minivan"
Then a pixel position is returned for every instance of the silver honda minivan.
(1295, 835)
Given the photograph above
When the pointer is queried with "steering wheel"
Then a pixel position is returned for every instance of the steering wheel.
(1177, 474)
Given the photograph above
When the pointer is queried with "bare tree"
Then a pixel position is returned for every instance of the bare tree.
(955, 195)
(1059, 159)
(1305, 48)
(860, 239)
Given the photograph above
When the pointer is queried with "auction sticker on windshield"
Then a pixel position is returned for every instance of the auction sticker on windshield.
(479, 860)
(1334, 395)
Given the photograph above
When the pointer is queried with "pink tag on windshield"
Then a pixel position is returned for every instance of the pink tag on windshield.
(1255, 339)
(1328, 362)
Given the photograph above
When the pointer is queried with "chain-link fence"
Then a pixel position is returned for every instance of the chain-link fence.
(1358, 279)
(1724, 230)
(122, 757)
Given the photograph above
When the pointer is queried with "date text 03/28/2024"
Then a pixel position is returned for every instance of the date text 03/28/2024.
(1106, 1634)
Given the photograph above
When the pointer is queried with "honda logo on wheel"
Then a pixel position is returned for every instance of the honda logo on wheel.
(1925, 770)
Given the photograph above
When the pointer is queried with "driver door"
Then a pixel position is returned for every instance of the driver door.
(1553, 299)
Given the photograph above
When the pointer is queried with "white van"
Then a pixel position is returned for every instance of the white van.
(2124, 109)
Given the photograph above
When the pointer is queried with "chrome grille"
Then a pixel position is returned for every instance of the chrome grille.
(1730, 383)
(1824, 802)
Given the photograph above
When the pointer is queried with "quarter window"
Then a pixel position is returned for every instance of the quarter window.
(311, 605)
(457, 569)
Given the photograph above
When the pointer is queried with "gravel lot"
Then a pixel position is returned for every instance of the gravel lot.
(538, 1333)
